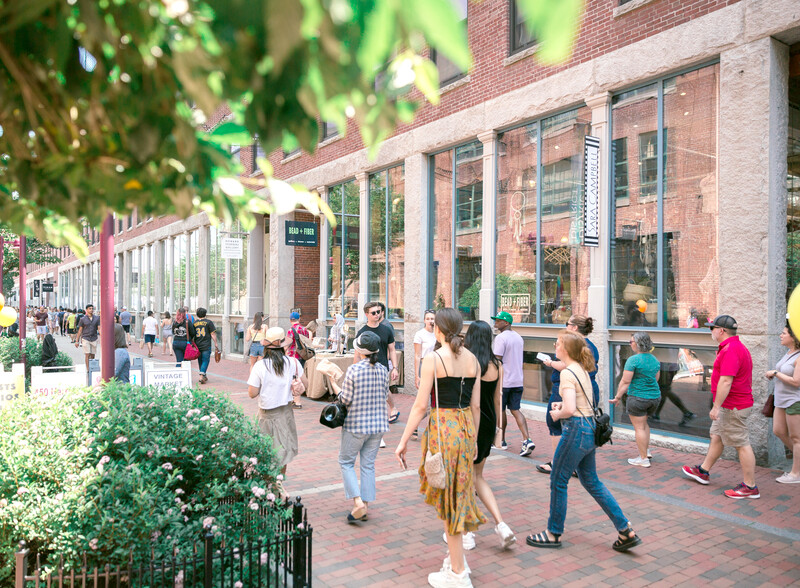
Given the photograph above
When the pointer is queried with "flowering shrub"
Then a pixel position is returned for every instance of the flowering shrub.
(129, 468)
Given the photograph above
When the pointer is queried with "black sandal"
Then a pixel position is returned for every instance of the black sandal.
(541, 468)
(625, 544)
(542, 540)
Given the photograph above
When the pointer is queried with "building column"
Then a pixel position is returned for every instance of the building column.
(752, 177)
(363, 246)
(281, 267)
(255, 269)
(139, 270)
(148, 257)
(158, 303)
(597, 307)
(226, 310)
(120, 274)
(324, 229)
(171, 274)
(486, 305)
(186, 299)
(88, 290)
(416, 275)
(203, 261)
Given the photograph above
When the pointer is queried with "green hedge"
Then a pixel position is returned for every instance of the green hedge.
(9, 354)
(127, 467)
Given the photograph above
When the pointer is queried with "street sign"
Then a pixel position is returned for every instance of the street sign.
(231, 248)
(301, 234)
(47, 287)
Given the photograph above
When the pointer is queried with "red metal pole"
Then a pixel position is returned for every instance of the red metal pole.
(2, 251)
(107, 299)
(23, 291)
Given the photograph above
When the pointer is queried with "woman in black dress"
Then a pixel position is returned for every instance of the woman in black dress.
(479, 341)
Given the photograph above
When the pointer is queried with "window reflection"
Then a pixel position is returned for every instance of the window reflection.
(685, 383)
(343, 258)
(386, 252)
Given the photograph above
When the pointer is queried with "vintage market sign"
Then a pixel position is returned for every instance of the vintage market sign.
(169, 375)
(591, 192)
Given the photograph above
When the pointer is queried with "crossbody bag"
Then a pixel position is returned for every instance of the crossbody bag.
(602, 422)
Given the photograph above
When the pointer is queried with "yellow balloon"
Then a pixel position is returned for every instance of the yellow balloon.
(793, 310)
(2, 302)
(7, 316)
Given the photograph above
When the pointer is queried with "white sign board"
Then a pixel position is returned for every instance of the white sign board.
(168, 375)
(12, 386)
(591, 192)
(231, 248)
(47, 382)
(135, 377)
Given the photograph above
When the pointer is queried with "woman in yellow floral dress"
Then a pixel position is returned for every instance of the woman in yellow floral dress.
(456, 421)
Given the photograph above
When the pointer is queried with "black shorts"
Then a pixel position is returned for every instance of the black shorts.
(512, 398)
(126, 328)
(149, 338)
(640, 407)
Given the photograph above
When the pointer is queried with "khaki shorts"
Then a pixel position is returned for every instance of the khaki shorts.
(89, 347)
(731, 426)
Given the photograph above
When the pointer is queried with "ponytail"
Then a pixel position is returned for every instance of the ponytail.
(449, 322)
(373, 358)
(456, 342)
(587, 359)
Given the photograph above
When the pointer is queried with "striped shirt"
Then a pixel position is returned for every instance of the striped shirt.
(364, 392)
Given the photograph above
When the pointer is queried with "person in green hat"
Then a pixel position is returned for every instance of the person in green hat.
(508, 347)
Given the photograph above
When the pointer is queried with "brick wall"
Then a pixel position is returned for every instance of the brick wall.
(306, 274)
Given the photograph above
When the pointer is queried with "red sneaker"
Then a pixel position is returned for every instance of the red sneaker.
(743, 491)
(695, 473)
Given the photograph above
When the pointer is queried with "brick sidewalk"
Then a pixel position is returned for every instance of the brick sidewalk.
(692, 534)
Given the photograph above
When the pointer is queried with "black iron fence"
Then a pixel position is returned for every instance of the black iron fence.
(284, 559)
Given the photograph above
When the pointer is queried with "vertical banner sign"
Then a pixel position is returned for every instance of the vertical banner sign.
(36, 288)
(591, 192)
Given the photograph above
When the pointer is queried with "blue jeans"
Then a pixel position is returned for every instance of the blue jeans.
(576, 452)
(205, 357)
(367, 447)
(122, 365)
(179, 347)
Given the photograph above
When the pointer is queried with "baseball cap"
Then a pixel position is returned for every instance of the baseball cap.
(504, 316)
(725, 321)
(294, 316)
(367, 343)
(274, 335)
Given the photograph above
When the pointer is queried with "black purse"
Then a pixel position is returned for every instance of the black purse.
(603, 429)
(333, 415)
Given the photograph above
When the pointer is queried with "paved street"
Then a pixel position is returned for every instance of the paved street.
(692, 534)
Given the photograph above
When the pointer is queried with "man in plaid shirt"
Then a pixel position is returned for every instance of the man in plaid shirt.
(364, 392)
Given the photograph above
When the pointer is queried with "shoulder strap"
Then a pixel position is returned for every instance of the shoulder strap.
(443, 366)
(792, 355)
(591, 404)
(436, 388)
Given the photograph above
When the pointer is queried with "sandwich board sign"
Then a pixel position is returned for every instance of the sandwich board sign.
(12, 384)
(135, 375)
(156, 374)
(55, 381)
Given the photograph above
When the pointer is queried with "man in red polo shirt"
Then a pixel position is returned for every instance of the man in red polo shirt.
(732, 393)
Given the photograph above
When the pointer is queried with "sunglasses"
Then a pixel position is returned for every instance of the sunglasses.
(374, 311)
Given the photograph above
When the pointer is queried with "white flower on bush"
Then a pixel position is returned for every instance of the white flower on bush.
(301, 526)
(254, 505)
(63, 453)
(120, 439)
(271, 497)
(178, 491)
(103, 414)
(233, 479)
(264, 558)
(192, 412)
(258, 492)
(151, 453)
(156, 535)
(104, 460)
(254, 460)
(179, 580)
(3, 503)
(279, 477)
(184, 507)
(208, 521)
(177, 500)
(22, 490)
(167, 466)
(59, 496)
(198, 457)
(233, 456)
(179, 477)
(237, 584)
(93, 543)
(205, 418)
(224, 430)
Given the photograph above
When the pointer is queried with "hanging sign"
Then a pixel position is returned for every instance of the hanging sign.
(301, 234)
(47, 287)
(36, 288)
(231, 248)
(591, 192)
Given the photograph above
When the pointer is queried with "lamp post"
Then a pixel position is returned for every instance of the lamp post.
(107, 299)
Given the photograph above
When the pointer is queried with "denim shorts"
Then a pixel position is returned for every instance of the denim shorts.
(256, 349)
(640, 407)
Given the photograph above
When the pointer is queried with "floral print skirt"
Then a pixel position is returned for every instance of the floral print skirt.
(456, 503)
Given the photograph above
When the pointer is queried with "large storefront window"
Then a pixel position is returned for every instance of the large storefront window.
(664, 270)
(179, 276)
(238, 275)
(216, 273)
(540, 168)
(457, 223)
(685, 383)
(343, 256)
(793, 186)
(386, 239)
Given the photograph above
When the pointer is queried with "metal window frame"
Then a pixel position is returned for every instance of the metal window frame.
(512, 29)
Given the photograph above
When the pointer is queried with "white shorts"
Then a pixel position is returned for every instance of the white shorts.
(41, 330)
(89, 347)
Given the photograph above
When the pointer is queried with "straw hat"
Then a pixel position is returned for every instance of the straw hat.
(273, 336)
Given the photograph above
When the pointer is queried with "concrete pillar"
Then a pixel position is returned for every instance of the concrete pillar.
(322, 304)
(226, 310)
(752, 177)
(255, 270)
(171, 273)
(148, 274)
(204, 261)
(186, 298)
(486, 305)
(417, 252)
(281, 272)
(363, 245)
(599, 256)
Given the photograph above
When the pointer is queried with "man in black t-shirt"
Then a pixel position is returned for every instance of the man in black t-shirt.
(205, 332)
(386, 351)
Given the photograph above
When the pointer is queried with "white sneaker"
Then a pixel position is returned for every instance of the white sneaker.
(787, 478)
(383, 443)
(467, 540)
(507, 538)
(638, 461)
(446, 564)
(447, 578)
